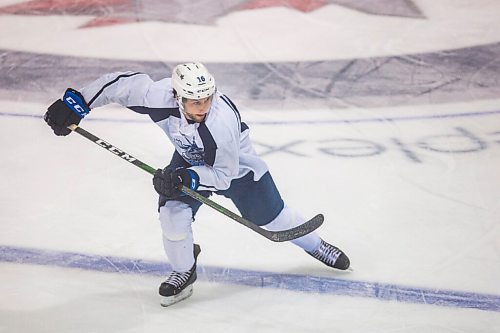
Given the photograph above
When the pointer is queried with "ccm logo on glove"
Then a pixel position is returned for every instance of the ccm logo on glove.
(75, 101)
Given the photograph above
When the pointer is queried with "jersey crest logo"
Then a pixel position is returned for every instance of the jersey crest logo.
(190, 151)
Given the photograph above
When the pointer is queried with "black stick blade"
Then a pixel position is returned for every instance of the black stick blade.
(298, 231)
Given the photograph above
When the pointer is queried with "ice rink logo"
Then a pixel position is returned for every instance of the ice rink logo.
(111, 12)
(457, 140)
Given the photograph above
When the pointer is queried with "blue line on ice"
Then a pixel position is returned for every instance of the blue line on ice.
(293, 282)
(391, 119)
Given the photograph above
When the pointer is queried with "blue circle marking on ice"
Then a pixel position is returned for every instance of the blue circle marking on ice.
(259, 279)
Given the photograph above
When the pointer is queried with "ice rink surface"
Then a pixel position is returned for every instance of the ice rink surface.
(382, 115)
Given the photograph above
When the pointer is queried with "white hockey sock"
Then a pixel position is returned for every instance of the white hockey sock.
(289, 218)
(176, 218)
(180, 253)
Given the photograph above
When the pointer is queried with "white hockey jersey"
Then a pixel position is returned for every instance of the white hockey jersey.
(218, 149)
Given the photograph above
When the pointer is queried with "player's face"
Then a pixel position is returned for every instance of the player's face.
(196, 109)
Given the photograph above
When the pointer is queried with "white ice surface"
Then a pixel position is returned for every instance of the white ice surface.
(46, 299)
(426, 225)
(411, 216)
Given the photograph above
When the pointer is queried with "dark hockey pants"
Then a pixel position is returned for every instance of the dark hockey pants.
(257, 201)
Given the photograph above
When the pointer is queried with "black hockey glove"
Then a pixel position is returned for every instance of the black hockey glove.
(167, 182)
(70, 110)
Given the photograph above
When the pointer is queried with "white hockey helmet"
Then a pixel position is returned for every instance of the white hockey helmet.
(193, 81)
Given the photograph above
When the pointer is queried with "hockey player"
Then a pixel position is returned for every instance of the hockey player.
(213, 154)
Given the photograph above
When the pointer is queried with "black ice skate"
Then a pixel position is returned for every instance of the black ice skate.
(331, 256)
(179, 285)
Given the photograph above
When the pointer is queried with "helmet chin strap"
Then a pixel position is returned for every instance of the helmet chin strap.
(179, 101)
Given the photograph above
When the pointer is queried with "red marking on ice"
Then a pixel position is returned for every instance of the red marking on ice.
(113, 12)
(106, 21)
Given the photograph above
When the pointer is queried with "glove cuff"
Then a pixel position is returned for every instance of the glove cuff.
(75, 101)
(190, 179)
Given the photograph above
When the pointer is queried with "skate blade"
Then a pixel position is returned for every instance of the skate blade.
(167, 301)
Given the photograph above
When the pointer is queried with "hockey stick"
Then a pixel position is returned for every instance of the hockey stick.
(276, 236)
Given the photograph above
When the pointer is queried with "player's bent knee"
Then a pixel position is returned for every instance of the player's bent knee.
(175, 220)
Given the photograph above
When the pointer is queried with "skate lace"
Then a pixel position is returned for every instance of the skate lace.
(177, 279)
(327, 253)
